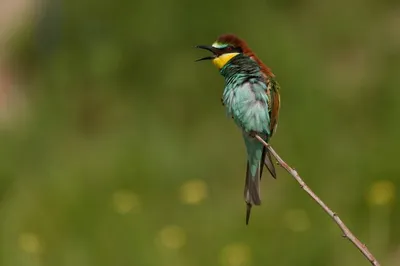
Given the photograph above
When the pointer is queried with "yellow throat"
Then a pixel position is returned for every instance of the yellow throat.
(221, 60)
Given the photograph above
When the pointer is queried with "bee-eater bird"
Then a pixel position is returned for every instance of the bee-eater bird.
(251, 97)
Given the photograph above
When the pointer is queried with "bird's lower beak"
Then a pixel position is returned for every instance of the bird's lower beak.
(212, 49)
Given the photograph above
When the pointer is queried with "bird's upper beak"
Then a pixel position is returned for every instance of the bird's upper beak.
(216, 52)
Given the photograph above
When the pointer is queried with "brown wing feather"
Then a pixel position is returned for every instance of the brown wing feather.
(274, 112)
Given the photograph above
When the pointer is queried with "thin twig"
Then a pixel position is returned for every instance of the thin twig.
(346, 231)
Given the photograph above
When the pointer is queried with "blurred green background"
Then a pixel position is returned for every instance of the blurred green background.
(115, 149)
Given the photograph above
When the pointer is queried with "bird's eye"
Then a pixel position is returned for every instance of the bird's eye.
(229, 48)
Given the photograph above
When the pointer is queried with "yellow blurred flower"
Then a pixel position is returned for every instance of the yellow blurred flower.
(296, 220)
(382, 193)
(172, 237)
(235, 254)
(193, 191)
(125, 201)
(30, 243)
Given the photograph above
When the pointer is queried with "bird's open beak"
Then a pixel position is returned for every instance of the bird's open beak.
(212, 49)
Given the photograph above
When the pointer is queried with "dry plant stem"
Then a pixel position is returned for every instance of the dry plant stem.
(346, 231)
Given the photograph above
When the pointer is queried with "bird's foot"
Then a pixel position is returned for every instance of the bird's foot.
(252, 134)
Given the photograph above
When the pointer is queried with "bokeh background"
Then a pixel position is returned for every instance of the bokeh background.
(115, 149)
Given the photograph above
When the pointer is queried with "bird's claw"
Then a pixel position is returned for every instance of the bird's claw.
(252, 134)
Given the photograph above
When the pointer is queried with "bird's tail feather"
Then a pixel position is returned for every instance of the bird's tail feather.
(252, 190)
(255, 162)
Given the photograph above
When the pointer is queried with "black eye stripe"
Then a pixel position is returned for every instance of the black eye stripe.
(231, 48)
